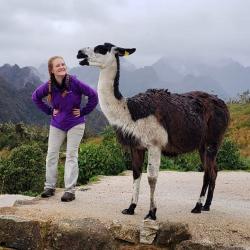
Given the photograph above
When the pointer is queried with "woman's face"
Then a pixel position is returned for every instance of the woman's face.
(59, 67)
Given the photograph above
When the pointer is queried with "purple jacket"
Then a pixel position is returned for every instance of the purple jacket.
(65, 119)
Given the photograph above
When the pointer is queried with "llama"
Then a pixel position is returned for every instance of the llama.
(159, 122)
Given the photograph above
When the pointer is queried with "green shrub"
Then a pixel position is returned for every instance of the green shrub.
(168, 163)
(106, 158)
(185, 162)
(60, 176)
(9, 141)
(229, 156)
(14, 135)
(23, 171)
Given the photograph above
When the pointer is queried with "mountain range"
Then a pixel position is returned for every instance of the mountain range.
(225, 78)
(16, 87)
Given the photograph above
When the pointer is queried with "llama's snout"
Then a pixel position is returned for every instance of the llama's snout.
(82, 55)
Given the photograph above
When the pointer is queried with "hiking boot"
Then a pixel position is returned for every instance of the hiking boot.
(67, 196)
(48, 192)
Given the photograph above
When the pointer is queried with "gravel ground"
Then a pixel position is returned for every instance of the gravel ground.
(227, 223)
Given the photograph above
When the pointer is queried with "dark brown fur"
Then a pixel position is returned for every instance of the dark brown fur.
(193, 121)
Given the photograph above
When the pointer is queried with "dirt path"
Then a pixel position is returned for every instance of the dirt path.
(227, 223)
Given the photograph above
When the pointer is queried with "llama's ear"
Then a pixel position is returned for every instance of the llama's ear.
(124, 52)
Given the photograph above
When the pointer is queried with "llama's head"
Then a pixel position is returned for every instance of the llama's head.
(102, 55)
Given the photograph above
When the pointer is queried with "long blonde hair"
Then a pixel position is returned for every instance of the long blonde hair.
(50, 67)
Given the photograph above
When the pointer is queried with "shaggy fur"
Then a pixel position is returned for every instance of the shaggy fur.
(159, 122)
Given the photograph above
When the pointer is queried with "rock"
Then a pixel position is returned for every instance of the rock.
(30, 201)
(190, 245)
(19, 233)
(124, 232)
(148, 231)
(81, 234)
(171, 234)
(141, 247)
(9, 200)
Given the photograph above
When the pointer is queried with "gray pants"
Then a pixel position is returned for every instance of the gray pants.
(56, 138)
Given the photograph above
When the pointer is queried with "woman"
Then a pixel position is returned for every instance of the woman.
(64, 93)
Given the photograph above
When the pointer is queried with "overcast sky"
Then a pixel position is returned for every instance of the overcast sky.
(32, 31)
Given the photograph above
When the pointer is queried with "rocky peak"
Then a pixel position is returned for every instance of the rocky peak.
(19, 77)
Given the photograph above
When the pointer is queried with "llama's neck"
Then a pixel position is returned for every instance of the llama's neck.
(111, 101)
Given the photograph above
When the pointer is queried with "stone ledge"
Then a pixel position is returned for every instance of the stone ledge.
(20, 233)
(88, 233)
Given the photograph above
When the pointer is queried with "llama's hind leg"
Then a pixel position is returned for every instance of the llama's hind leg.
(137, 163)
(208, 179)
(211, 158)
(154, 161)
(198, 206)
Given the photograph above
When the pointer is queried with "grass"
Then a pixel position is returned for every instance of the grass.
(239, 129)
(94, 140)
(95, 179)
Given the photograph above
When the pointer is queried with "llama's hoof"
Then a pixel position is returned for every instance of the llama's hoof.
(130, 210)
(197, 208)
(205, 208)
(151, 215)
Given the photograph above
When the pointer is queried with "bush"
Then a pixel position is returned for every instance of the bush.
(23, 171)
(106, 158)
(185, 162)
(14, 135)
(229, 156)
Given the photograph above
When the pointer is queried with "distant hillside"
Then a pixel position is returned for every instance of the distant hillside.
(16, 87)
(225, 78)
(239, 129)
(20, 77)
(16, 105)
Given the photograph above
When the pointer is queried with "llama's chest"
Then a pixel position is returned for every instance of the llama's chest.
(147, 131)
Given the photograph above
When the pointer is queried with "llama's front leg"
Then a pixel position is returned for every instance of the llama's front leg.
(137, 163)
(154, 161)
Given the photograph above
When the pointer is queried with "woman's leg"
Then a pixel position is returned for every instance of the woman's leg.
(56, 138)
(71, 171)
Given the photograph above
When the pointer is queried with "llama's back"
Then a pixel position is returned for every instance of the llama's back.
(199, 119)
(217, 117)
(188, 118)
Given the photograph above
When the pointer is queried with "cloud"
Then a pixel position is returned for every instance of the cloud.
(33, 31)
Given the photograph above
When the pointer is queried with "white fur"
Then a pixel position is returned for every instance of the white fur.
(136, 190)
(201, 199)
(154, 161)
(148, 129)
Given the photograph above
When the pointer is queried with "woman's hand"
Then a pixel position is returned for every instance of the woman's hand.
(76, 112)
(55, 112)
